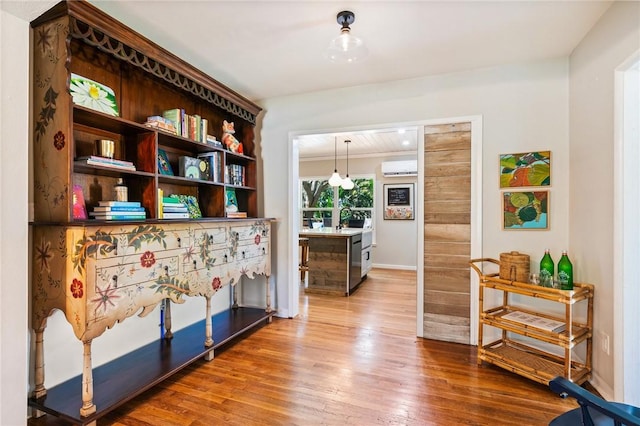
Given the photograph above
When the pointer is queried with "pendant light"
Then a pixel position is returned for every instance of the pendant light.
(347, 183)
(346, 47)
(335, 179)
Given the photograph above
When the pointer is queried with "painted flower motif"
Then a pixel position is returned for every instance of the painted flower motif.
(44, 39)
(105, 297)
(257, 239)
(216, 284)
(93, 95)
(147, 259)
(188, 254)
(44, 254)
(58, 140)
(76, 288)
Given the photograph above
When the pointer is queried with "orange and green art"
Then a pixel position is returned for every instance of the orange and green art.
(525, 169)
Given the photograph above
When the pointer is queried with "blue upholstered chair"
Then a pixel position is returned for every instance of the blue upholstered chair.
(593, 411)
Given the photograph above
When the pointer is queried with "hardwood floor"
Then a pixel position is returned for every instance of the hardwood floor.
(343, 361)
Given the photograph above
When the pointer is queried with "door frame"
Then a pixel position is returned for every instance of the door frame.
(476, 210)
(626, 240)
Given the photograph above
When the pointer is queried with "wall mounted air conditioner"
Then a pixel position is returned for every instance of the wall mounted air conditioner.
(400, 168)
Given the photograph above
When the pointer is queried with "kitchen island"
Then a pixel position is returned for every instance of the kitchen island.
(339, 259)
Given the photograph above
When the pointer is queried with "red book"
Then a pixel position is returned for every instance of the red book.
(79, 208)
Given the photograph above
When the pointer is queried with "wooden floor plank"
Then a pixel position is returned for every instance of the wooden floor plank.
(343, 361)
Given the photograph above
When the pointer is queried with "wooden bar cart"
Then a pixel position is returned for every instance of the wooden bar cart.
(516, 355)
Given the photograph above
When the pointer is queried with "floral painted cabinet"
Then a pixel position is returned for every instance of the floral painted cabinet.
(100, 275)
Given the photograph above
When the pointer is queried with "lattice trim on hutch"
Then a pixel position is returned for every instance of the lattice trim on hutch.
(96, 38)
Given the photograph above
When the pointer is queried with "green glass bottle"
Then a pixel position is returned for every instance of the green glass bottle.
(565, 272)
(546, 270)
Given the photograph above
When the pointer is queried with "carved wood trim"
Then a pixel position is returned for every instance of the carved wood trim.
(94, 27)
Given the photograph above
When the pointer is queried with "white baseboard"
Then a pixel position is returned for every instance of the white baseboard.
(602, 387)
(399, 267)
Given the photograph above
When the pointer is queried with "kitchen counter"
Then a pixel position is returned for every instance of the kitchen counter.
(335, 259)
(330, 232)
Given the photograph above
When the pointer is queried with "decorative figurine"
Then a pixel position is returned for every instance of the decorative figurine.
(229, 140)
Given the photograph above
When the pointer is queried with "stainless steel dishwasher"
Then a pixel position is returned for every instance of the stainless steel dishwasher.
(355, 261)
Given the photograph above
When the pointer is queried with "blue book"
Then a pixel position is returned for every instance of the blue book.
(119, 203)
(115, 209)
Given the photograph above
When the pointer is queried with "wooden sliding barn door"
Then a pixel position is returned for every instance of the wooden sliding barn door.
(447, 232)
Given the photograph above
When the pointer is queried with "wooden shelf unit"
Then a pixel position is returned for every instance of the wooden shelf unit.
(77, 38)
(98, 272)
(521, 358)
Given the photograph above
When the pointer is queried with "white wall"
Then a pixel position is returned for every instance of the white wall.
(524, 107)
(612, 40)
(390, 248)
(14, 157)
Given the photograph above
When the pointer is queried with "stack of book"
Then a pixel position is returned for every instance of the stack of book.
(119, 210)
(172, 208)
(161, 123)
(112, 163)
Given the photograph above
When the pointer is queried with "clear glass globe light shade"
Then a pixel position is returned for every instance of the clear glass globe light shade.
(335, 179)
(346, 48)
(347, 183)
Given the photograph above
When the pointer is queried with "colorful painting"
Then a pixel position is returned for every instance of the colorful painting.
(525, 169)
(525, 210)
(92, 94)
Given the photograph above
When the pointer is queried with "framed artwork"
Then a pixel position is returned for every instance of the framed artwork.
(399, 201)
(93, 95)
(525, 210)
(164, 167)
(525, 169)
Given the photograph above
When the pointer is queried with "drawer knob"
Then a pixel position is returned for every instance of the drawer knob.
(166, 270)
(195, 262)
(225, 258)
(243, 255)
(264, 251)
(179, 242)
(115, 280)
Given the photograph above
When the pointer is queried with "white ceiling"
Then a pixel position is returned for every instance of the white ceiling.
(267, 48)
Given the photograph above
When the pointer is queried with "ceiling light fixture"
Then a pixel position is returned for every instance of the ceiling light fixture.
(346, 47)
(347, 183)
(335, 179)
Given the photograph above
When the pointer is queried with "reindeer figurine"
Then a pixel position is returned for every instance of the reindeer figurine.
(229, 140)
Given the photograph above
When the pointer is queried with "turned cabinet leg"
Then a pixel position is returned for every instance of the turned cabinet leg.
(167, 319)
(235, 296)
(39, 390)
(208, 330)
(268, 310)
(88, 407)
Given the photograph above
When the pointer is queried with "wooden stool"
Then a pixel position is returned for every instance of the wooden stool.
(304, 258)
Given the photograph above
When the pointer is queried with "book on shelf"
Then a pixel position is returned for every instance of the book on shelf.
(236, 215)
(160, 197)
(230, 201)
(214, 159)
(161, 123)
(79, 207)
(95, 160)
(118, 215)
(172, 215)
(118, 209)
(171, 209)
(119, 203)
(191, 202)
(535, 321)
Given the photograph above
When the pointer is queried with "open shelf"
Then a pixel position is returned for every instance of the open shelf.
(128, 376)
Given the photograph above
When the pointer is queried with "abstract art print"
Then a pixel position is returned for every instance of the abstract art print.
(525, 210)
(525, 169)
